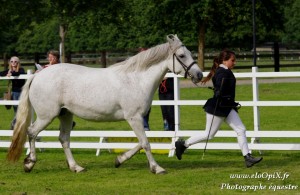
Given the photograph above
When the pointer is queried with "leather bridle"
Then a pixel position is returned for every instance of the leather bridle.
(185, 67)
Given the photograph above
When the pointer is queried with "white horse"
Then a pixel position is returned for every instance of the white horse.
(122, 91)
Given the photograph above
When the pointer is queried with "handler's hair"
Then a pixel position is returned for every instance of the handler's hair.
(223, 56)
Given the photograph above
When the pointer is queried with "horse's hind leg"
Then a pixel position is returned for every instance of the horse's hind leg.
(66, 121)
(127, 155)
(33, 131)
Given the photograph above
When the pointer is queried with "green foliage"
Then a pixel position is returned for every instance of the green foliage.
(292, 25)
(32, 26)
(15, 16)
(42, 37)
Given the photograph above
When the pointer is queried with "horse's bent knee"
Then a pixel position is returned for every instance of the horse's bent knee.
(61, 140)
(64, 142)
(146, 146)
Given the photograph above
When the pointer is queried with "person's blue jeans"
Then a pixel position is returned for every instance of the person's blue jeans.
(146, 121)
(15, 96)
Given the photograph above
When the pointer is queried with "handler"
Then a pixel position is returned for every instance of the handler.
(221, 107)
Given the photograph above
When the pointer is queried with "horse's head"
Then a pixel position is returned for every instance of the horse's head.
(183, 62)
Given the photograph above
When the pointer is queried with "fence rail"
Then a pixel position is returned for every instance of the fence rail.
(254, 134)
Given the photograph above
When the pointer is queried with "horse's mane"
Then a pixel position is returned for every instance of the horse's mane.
(145, 59)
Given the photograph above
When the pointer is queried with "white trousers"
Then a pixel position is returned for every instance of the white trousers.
(213, 124)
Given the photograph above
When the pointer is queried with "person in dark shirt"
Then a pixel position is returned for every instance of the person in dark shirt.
(221, 107)
(166, 92)
(15, 69)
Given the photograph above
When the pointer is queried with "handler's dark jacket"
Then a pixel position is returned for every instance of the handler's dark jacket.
(224, 93)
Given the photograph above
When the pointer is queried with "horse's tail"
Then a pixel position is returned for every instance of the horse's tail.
(23, 120)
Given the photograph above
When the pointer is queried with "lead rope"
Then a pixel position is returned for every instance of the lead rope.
(163, 86)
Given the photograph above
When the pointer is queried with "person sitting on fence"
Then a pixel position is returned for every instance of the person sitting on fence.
(221, 107)
(53, 58)
(15, 69)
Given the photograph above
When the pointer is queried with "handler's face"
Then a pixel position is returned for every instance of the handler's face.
(230, 63)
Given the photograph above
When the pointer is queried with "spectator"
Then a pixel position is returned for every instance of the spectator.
(15, 69)
(166, 92)
(146, 121)
(53, 58)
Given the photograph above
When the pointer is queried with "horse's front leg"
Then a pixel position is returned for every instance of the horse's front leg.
(154, 167)
(137, 126)
(64, 138)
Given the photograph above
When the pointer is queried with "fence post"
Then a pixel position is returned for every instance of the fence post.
(176, 110)
(276, 57)
(255, 92)
(36, 57)
(176, 98)
(103, 58)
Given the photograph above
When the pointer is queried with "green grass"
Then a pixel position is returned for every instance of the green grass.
(191, 175)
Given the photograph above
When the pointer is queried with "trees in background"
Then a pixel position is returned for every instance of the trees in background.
(29, 26)
(292, 24)
(15, 18)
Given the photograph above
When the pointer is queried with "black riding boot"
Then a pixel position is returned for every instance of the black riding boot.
(180, 148)
(250, 160)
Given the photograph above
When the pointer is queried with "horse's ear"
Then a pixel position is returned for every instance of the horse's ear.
(172, 37)
(173, 41)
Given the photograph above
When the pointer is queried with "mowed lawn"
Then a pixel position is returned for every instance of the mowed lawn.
(220, 172)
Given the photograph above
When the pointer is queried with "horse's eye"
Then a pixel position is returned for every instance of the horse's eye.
(181, 56)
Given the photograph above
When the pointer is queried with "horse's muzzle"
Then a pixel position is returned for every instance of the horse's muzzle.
(197, 78)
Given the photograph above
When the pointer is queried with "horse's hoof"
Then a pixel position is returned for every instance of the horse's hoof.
(28, 164)
(77, 169)
(163, 172)
(27, 169)
(158, 170)
(117, 163)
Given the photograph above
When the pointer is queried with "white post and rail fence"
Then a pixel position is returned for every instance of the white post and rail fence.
(254, 133)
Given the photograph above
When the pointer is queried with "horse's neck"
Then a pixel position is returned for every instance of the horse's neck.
(152, 67)
(152, 77)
